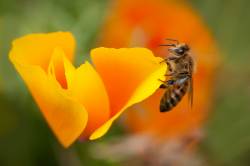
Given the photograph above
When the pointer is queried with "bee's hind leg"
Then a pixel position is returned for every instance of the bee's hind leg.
(163, 86)
(167, 83)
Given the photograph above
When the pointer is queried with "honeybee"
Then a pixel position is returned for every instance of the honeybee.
(179, 79)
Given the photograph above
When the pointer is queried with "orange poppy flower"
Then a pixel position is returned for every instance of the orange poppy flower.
(147, 23)
(85, 100)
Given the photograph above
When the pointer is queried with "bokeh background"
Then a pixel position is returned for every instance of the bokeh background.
(25, 138)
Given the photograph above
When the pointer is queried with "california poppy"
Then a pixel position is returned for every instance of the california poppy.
(83, 101)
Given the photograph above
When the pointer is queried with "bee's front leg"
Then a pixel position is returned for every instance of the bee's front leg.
(164, 60)
(171, 58)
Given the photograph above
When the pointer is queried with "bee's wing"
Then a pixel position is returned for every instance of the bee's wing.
(190, 92)
(190, 81)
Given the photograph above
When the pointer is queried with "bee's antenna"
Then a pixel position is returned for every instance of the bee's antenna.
(177, 42)
(171, 45)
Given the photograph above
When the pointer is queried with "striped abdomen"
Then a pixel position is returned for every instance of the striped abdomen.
(173, 96)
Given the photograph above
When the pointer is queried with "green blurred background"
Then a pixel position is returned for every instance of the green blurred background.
(25, 138)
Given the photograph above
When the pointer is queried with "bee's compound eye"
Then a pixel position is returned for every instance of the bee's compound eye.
(179, 51)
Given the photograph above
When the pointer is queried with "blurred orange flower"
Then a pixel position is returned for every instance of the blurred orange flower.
(83, 101)
(146, 24)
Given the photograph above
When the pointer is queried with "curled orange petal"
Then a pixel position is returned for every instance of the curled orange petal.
(88, 88)
(129, 75)
(66, 116)
(36, 49)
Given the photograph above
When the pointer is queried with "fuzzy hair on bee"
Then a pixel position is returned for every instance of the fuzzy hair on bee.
(179, 80)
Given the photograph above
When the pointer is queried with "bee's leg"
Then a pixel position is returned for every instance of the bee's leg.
(171, 58)
(167, 83)
(170, 74)
(162, 81)
(170, 71)
(164, 60)
(163, 86)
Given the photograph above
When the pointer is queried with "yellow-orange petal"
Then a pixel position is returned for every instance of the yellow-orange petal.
(36, 49)
(66, 116)
(87, 87)
(130, 75)
(84, 85)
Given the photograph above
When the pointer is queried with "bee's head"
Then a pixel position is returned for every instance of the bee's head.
(179, 50)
